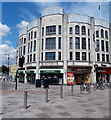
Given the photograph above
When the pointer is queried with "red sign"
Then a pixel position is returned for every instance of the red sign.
(70, 78)
(104, 70)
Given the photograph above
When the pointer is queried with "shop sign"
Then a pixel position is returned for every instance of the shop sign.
(50, 71)
(70, 78)
(104, 70)
(29, 72)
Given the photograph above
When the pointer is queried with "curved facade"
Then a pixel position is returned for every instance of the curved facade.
(58, 44)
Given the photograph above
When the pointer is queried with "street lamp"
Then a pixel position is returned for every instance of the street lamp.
(8, 61)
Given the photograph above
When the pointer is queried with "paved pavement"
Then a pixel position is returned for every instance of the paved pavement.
(85, 105)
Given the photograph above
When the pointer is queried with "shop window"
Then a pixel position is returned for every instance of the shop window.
(70, 43)
(103, 57)
(70, 30)
(50, 56)
(59, 29)
(83, 30)
(71, 56)
(102, 45)
(106, 34)
(107, 58)
(83, 43)
(98, 57)
(107, 48)
(50, 30)
(97, 33)
(59, 55)
(102, 33)
(77, 43)
(59, 43)
(77, 55)
(51, 43)
(77, 29)
(83, 55)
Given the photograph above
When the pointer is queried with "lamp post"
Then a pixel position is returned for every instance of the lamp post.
(8, 61)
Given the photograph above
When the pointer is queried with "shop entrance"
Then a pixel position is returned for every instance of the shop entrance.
(31, 78)
(21, 77)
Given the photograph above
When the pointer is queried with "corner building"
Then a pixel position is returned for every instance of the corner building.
(57, 43)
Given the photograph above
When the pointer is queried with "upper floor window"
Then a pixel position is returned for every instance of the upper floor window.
(77, 43)
(30, 57)
(77, 55)
(70, 43)
(24, 50)
(28, 47)
(97, 33)
(31, 34)
(24, 40)
(50, 56)
(97, 45)
(106, 34)
(102, 45)
(42, 44)
(107, 46)
(107, 58)
(98, 57)
(83, 55)
(70, 30)
(88, 43)
(71, 56)
(77, 29)
(59, 55)
(59, 29)
(51, 43)
(34, 57)
(35, 34)
(88, 32)
(34, 45)
(102, 33)
(31, 46)
(103, 57)
(59, 43)
(50, 30)
(83, 30)
(83, 43)
(43, 31)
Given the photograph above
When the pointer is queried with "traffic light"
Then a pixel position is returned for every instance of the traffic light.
(21, 61)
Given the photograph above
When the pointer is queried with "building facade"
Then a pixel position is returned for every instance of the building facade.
(57, 44)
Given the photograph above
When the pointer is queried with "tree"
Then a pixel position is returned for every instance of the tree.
(4, 69)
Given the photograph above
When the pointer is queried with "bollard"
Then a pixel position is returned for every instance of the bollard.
(46, 94)
(15, 83)
(61, 91)
(72, 93)
(25, 99)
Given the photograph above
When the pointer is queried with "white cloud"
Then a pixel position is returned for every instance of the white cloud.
(22, 24)
(7, 42)
(4, 30)
(5, 49)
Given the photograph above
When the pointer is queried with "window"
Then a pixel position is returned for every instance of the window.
(107, 48)
(50, 30)
(83, 43)
(59, 29)
(83, 30)
(51, 43)
(97, 46)
(98, 57)
(31, 34)
(88, 32)
(34, 45)
(70, 30)
(24, 40)
(24, 50)
(88, 43)
(89, 56)
(83, 55)
(77, 29)
(71, 56)
(59, 55)
(77, 43)
(50, 56)
(106, 34)
(34, 57)
(31, 46)
(97, 33)
(70, 42)
(102, 33)
(59, 43)
(28, 47)
(35, 34)
(107, 58)
(42, 44)
(77, 56)
(21, 50)
(42, 56)
(102, 45)
(43, 31)
(30, 57)
(103, 57)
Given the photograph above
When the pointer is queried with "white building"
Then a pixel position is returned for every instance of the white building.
(57, 43)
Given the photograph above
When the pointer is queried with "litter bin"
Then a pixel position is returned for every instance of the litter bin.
(38, 83)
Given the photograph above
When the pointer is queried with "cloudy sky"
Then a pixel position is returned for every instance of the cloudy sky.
(16, 15)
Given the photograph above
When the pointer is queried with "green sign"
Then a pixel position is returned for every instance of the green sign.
(29, 72)
(50, 71)
(20, 71)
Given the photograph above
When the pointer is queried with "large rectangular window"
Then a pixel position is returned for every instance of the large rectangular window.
(51, 43)
(98, 56)
(31, 34)
(59, 29)
(31, 46)
(35, 34)
(97, 45)
(59, 55)
(83, 55)
(102, 45)
(24, 50)
(50, 56)
(107, 58)
(88, 43)
(34, 45)
(77, 55)
(50, 30)
(24, 40)
(42, 44)
(77, 43)
(103, 57)
(42, 31)
(30, 57)
(70, 30)
(70, 43)
(88, 32)
(71, 56)
(42, 56)
(34, 57)
(28, 47)
(83, 43)
(97, 33)
(107, 48)
(59, 43)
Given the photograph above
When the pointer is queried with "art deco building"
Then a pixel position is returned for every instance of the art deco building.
(57, 44)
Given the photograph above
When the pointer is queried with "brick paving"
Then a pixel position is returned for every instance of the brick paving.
(85, 105)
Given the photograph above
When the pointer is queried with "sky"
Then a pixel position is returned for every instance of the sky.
(16, 15)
